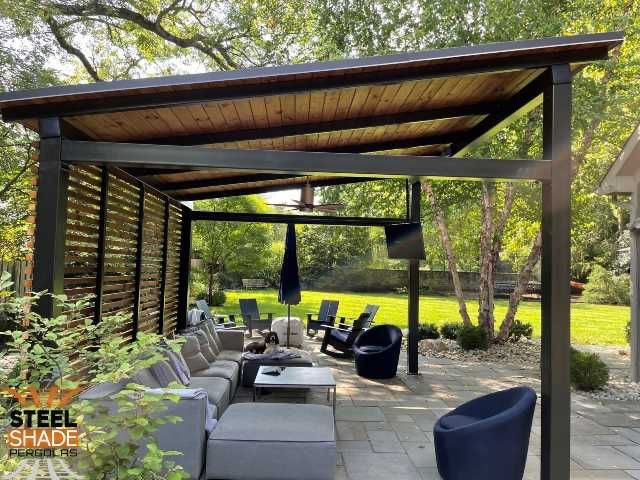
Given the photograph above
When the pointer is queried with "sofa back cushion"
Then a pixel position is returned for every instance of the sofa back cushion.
(163, 372)
(209, 325)
(215, 348)
(205, 349)
(179, 366)
(146, 378)
(192, 355)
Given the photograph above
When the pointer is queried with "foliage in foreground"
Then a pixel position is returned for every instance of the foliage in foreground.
(50, 352)
(588, 371)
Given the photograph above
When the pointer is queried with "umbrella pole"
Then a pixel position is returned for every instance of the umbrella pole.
(288, 323)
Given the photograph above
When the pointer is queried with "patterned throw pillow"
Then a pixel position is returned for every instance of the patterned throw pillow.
(214, 333)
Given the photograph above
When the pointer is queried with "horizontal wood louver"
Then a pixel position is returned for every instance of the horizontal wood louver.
(81, 242)
(121, 256)
(120, 249)
(152, 256)
(173, 269)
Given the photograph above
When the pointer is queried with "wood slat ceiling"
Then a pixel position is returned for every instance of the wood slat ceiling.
(417, 103)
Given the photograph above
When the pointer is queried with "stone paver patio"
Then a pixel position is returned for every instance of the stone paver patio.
(384, 428)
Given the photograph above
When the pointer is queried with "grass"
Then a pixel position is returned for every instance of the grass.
(590, 324)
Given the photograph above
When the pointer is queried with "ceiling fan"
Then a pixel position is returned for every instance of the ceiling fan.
(305, 204)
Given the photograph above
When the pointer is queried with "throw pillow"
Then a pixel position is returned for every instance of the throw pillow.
(164, 373)
(192, 355)
(212, 343)
(214, 333)
(176, 360)
(204, 346)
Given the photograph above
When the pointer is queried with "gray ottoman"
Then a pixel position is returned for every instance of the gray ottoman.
(269, 441)
(250, 367)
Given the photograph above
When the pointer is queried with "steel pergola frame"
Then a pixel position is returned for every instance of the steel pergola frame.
(61, 144)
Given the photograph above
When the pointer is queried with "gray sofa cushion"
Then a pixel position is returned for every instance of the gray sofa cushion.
(221, 369)
(192, 355)
(232, 355)
(218, 391)
(265, 441)
(205, 349)
(145, 377)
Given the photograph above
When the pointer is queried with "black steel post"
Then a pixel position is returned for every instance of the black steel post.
(414, 288)
(165, 259)
(139, 260)
(556, 225)
(51, 217)
(102, 241)
(185, 268)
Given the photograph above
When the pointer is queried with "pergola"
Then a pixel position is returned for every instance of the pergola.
(116, 159)
(623, 177)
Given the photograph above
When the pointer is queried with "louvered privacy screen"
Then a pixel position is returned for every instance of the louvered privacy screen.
(147, 289)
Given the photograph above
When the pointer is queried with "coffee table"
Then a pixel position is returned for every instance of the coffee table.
(296, 377)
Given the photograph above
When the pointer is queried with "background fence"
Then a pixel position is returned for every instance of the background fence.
(20, 274)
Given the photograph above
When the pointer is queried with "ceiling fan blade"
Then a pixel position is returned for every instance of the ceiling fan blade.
(332, 206)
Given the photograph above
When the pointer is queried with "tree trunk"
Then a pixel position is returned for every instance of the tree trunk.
(485, 300)
(448, 250)
(521, 287)
(210, 289)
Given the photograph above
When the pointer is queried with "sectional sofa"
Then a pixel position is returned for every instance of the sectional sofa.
(243, 441)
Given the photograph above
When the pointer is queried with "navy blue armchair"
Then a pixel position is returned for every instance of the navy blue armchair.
(486, 438)
(377, 351)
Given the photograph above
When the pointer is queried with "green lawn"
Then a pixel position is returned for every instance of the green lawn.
(591, 324)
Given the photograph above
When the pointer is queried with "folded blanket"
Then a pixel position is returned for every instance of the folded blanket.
(284, 355)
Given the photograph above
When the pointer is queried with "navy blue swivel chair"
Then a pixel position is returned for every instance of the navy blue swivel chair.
(486, 438)
(377, 351)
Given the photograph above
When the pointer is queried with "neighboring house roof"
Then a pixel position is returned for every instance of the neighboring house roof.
(623, 175)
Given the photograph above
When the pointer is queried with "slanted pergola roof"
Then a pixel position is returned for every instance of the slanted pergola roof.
(115, 158)
(433, 103)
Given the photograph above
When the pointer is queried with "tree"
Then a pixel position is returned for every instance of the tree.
(322, 248)
(239, 247)
(23, 66)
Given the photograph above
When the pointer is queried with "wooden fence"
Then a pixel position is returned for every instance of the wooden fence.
(20, 274)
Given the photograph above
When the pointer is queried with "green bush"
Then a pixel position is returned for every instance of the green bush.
(428, 331)
(472, 338)
(627, 331)
(218, 298)
(588, 371)
(519, 329)
(201, 295)
(605, 287)
(450, 330)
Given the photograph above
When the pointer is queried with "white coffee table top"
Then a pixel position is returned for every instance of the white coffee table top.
(295, 377)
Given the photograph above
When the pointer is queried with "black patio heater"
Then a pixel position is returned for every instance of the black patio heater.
(289, 292)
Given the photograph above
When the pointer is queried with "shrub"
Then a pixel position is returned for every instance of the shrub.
(519, 330)
(218, 298)
(588, 371)
(450, 330)
(605, 287)
(201, 295)
(472, 338)
(627, 331)
(428, 331)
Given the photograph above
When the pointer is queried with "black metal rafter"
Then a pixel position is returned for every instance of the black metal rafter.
(269, 188)
(171, 186)
(199, 215)
(478, 109)
(300, 162)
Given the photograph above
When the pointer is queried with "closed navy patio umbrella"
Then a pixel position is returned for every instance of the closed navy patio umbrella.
(289, 292)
